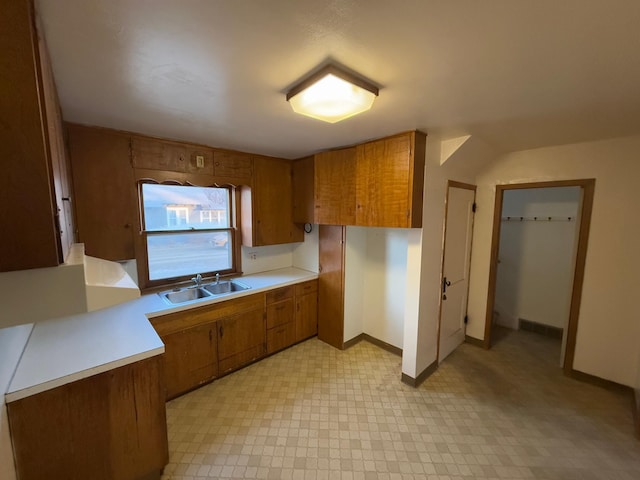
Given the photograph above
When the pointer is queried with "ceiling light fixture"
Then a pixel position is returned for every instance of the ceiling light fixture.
(331, 95)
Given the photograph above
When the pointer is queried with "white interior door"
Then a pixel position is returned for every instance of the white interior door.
(455, 269)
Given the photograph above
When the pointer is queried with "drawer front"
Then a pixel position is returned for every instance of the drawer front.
(279, 294)
(281, 337)
(279, 313)
(307, 287)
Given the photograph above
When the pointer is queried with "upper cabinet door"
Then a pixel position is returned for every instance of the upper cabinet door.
(390, 180)
(335, 187)
(267, 207)
(105, 191)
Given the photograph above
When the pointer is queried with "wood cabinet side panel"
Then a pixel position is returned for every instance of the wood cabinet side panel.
(57, 152)
(417, 178)
(331, 285)
(137, 421)
(108, 426)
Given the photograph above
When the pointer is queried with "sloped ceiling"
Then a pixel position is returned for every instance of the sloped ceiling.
(518, 74)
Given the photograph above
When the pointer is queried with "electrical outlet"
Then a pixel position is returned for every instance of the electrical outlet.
(253, 255)
(200, 161)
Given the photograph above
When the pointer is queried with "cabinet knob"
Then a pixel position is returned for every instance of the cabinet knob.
(127, 225)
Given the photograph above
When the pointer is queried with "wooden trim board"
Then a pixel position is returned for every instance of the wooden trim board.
(426, 373)
(378, 343)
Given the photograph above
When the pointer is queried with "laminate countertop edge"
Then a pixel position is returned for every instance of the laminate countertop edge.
(64, 350)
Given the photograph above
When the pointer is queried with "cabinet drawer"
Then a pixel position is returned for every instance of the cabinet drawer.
(281, 337)
(307, 287)
(279, 294)
(279, 313)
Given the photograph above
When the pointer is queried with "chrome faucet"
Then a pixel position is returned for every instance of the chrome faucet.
(217, 278)
(197, 280)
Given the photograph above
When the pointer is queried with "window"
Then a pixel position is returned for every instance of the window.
(187, 230)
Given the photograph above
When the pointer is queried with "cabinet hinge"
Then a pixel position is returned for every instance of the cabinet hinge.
(474, 207)
(466, 319)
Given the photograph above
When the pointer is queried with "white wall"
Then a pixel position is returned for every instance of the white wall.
(262, 259)
(384, 284)
(535, 273)
(355, 267)
(306, 254)
(28, 296)
(301, 255)
(375, 278)
(12, 342)
(425, 249)
(607, 343)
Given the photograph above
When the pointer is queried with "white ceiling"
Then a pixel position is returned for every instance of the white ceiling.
(516, 73)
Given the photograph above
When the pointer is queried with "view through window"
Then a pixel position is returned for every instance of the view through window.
(188, 230)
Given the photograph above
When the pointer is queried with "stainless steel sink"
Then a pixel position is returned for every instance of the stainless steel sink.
(185, 295)
(226, 286)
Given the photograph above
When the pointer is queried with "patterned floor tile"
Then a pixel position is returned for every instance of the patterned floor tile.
(316, 413)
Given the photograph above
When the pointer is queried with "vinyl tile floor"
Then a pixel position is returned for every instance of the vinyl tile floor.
(313, 412)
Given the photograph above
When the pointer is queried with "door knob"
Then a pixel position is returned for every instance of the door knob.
(445, 284)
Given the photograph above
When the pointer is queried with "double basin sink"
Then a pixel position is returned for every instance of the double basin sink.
(190, 294)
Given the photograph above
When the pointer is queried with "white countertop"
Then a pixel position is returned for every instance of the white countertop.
(67, 349)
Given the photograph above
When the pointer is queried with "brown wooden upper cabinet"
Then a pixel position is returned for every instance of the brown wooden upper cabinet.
(325, 188)
(375, 184)
(154, 154)
(266, 216)
(36, 212)
(105, 191)
(390, 181)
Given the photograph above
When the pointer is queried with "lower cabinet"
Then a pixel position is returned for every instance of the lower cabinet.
(110, 426)
(190, 358)
(241, 339)
(205, 342)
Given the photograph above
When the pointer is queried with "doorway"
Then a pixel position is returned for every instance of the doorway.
(576, 275)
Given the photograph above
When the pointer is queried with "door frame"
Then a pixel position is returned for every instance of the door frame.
(584, 218)
(465, 186)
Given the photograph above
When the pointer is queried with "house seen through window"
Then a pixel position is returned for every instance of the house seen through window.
(188, 230)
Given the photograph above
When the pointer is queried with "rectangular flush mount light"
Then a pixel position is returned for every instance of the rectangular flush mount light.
(331, 95)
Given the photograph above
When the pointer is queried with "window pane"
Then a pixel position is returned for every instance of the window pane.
(177, 255)
(176, 207)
